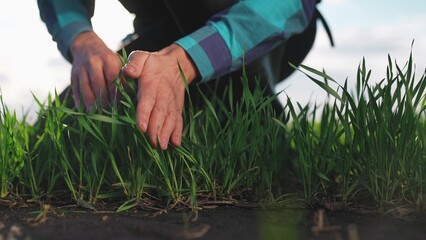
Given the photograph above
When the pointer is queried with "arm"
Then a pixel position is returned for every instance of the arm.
(94, 65)
(244, 32)
(66, 19)
(249, 28)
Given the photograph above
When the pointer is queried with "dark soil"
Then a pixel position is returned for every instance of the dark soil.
(223, 222)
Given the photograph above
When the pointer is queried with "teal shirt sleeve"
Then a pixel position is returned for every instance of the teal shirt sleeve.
(65, 19)
(243, 32)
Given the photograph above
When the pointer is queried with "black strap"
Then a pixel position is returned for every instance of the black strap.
(324, 23)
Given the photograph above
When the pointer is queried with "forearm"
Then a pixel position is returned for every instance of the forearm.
(184, 60)
(66, 19)
(242, 33)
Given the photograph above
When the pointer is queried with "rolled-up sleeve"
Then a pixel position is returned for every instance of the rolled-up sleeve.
(243, 32)
(65, 19)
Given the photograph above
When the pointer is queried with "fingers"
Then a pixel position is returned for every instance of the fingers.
(81, 88)
(111, 73)
(97, 86)
(75, 86)
(163, 123)
(158, 115)
(102, 78)
(176, 137)
(146, 101)
(94, 82)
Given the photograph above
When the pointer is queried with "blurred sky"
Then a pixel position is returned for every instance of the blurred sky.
(30, 63)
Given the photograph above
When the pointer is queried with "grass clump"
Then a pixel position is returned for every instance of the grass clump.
(14, 148)
(366, 146)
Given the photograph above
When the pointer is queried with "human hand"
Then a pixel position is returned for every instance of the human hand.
(94, 69)
(161, 92)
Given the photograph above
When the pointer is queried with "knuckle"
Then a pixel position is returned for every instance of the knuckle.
(146, 99)
(111, 57)
(171, 113)
(140, 125)
(111, 75)
(160, 109)
(92, 61)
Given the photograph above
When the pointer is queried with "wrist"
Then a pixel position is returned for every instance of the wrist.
(185, 61)
(81, 40)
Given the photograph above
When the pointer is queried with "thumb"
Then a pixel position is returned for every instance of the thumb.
(135, 64)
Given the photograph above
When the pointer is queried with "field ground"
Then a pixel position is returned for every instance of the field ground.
(221, 222)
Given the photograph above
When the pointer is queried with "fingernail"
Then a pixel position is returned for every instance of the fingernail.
(163, 143)
(88, 107)
(177, 141)
(143, 127)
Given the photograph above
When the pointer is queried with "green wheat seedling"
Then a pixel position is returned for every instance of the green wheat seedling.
(373, 144)
(103, 154)
(242, 147)
(367, 145)
(14, 148)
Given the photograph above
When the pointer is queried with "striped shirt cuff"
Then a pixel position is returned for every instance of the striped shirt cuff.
(208, 51)
(66, 36)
